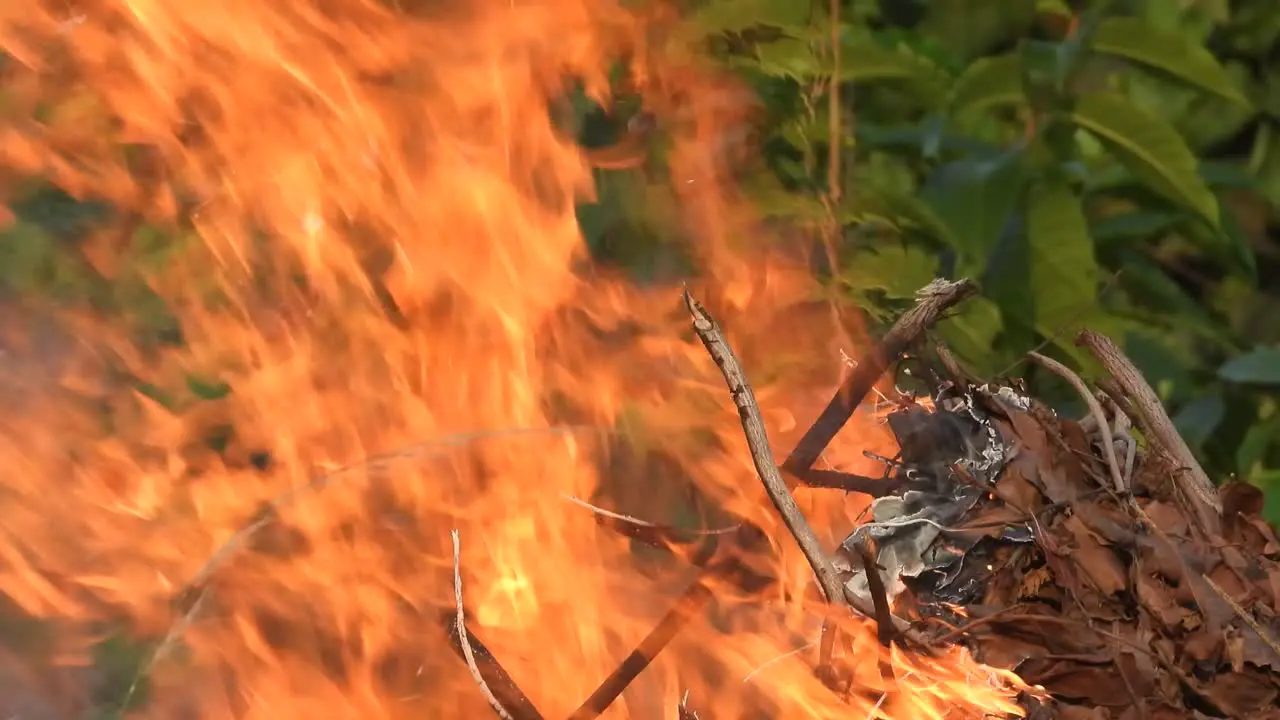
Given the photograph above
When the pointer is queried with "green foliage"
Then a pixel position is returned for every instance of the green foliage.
(1260, 366)
(1149, 148)
(1168, 52)
(1086, 169)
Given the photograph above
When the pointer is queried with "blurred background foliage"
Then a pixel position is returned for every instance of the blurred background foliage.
(1105, 164)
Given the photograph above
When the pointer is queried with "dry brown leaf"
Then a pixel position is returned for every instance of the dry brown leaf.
(1233, 641)
(1033, 581)
(1096, 684)
(1168, 517)
(1241, 694)
(1016, 490)
(1097, 562)
(1157, 598)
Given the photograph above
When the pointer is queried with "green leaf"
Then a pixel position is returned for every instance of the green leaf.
(862, 60)
(989, 82)
(790, 57)
(903, 211)
(1046, 67)
(1140, 225)
(1171, 53)
(1256, 443)
(721, 16)
(1227, 176)
(1151, 149)
(975, 199)
(1253, 449)
(1150, 285)
(1269, 482)
(1197, 419)
(1260, 366)
(207, 388)
(1226, 244)
(971, 333)
(1064, 272)
(1162, 361)
(1053, 7)
(898, 270)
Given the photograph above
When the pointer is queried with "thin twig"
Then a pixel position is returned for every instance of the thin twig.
(269, 512)
(661, 537)
(771, 661)
(931, 301)
(879, 595)
(959, 375)
(684, 711)
(462, 632)
(1195, 484)
(1241, 613)
(496, 676)
(695, 597)
(632, 520)
(976, 623)
(1104, 427)
(848, 482)
(761, 454)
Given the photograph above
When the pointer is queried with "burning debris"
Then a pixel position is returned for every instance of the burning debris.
(1055, 548)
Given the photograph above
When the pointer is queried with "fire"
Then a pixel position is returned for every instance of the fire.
(386, 262)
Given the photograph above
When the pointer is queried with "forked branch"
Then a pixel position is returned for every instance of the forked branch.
(931, 301)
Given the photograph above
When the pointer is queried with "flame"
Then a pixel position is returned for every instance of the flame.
(384, 261)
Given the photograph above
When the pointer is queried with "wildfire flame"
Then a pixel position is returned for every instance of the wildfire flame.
(386, 261)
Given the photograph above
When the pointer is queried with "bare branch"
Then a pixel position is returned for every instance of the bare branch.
(931, 301)
(460, 619)
(1194, 483)
(761, 454)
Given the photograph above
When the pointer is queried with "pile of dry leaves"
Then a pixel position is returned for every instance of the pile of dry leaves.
(1099, 563)
(1101, 587)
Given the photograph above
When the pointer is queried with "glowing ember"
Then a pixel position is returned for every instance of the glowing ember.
(389, 256)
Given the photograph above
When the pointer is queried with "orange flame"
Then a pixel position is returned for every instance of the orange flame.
(389, 264)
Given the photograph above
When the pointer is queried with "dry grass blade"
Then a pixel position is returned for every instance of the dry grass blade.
(418, 450)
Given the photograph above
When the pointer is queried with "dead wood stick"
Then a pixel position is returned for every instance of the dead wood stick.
(496, 677)
(728, 567)
(959, 375)
(695, 597)
(931, 301)
(849, 482)
(885, 630)
(1194, 483)
(761, 454)
(460, 619)
(835, 591)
